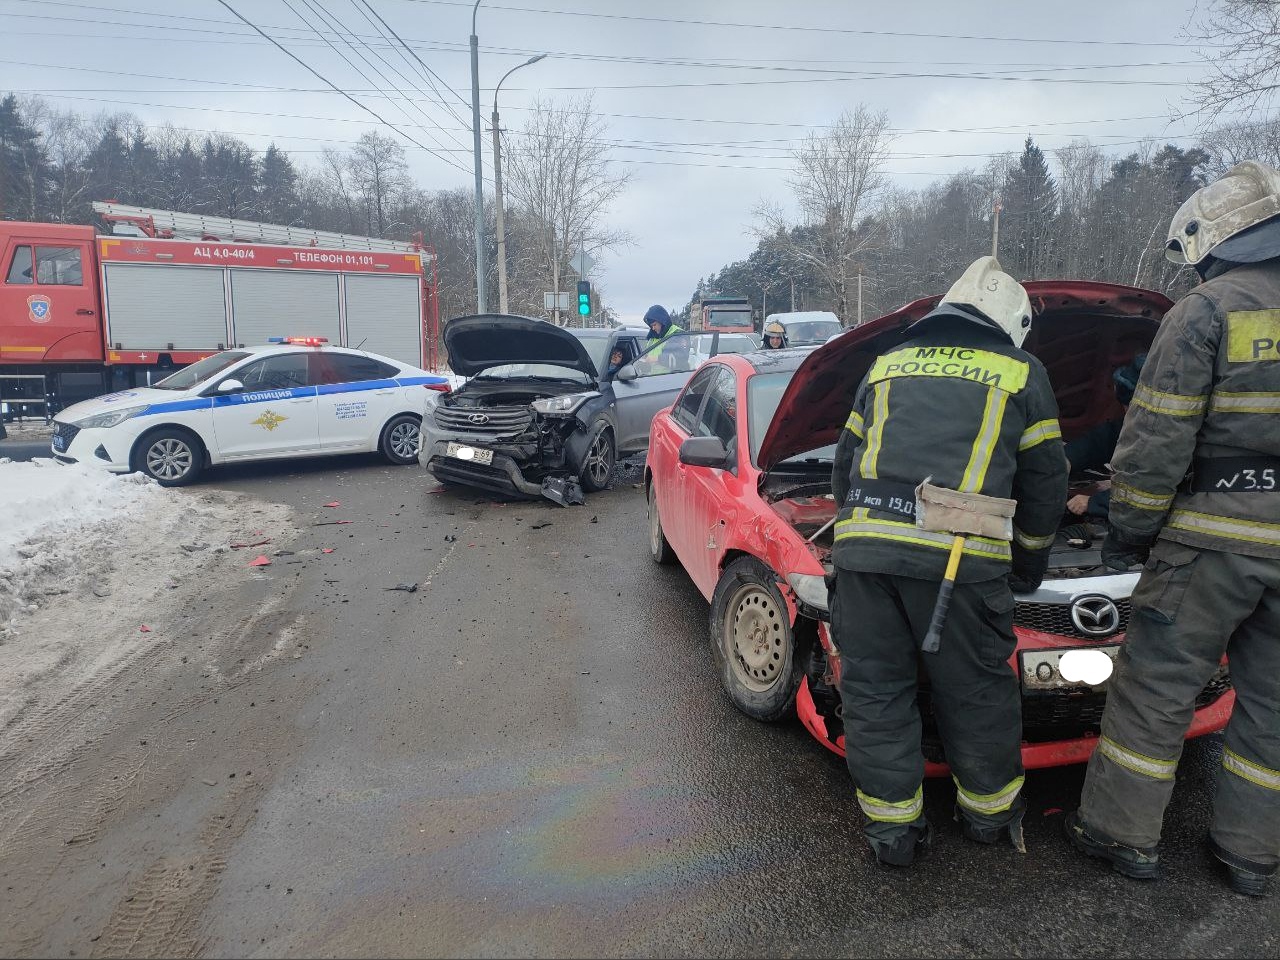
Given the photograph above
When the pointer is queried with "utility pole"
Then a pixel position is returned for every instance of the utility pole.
(497, 187)
(859, 298)
(555, 275)
(995, 229)
(793, 296)
(481, 269)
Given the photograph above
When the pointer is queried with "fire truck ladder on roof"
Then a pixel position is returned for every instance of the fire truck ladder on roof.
(169, 224)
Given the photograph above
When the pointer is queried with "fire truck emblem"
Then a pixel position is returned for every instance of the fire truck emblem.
(269, 421)
(39, 308)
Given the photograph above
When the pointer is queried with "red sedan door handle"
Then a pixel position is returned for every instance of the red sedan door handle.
(84, 312)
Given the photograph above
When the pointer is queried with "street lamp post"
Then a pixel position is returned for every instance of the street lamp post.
(497, 187)
(481, 299)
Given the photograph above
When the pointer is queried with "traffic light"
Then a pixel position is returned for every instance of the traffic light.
(584, 298)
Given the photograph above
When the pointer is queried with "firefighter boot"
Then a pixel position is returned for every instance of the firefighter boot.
(1244, 876)
(903, 850)
(989, 833)
(1141, 864)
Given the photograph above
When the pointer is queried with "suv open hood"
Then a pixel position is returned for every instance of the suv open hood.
(486, 340)
(816, 404)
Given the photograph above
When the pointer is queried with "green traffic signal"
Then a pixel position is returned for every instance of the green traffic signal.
(584, 298)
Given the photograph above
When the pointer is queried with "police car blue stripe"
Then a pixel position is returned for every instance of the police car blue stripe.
(176, 406)
(356, 387)
(418, 381)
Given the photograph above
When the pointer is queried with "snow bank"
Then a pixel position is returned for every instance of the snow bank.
(46, 497)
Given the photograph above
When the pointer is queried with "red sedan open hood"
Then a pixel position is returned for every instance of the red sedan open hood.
(1082, 332)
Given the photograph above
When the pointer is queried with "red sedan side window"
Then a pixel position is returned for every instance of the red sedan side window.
(719, 417)
(685, 410)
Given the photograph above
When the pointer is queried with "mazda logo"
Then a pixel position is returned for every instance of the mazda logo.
(479, 418)
(1095, 615)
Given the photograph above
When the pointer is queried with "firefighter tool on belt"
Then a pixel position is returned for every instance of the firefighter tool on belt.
(961, 405)
(1196, 496)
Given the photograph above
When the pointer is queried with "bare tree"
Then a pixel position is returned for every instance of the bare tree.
(558, 176)
(67, 140)
(1242, 39)
(379, 174)
(837, 177)
(1230, 143)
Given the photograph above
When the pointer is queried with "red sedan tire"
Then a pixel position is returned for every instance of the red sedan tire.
(754, 644)
(659, 549)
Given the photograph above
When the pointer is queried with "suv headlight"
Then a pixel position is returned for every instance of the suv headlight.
(111, 418)
(561, 406)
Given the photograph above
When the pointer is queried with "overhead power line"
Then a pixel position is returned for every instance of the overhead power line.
(448, 160)
(824, 29)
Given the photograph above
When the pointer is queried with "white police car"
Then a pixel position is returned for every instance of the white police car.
(294, 397)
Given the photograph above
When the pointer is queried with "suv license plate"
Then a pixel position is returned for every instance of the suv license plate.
(59, 443)
(463, 452)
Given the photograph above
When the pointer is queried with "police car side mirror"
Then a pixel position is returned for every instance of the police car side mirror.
(626, 373)
(704, 452)
(230, 385)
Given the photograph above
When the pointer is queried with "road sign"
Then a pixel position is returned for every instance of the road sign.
(549, 301)
(581, 263)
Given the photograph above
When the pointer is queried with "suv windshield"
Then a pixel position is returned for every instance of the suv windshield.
(597, 349)
(201, 370)
(764, 393)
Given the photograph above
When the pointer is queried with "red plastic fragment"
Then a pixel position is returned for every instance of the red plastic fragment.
(326, 549)
(261, 561)
(144, 629)
(333, 503)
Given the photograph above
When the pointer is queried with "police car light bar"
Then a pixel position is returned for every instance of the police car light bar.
(306, 341)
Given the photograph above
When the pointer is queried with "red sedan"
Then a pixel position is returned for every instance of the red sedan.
(738, 480)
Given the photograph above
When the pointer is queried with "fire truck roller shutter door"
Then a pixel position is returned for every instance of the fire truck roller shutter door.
(279, 303)
(151, 306)
(386, 313)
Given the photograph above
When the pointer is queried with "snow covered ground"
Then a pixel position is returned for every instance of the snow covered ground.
(89, 559)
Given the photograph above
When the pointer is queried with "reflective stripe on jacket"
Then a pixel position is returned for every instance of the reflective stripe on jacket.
(1210, 388)
(968, 409)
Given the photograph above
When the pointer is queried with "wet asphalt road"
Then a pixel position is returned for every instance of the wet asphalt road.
(531, 755)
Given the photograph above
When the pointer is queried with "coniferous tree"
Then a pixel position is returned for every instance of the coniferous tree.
(24, 167)
(1029, 208)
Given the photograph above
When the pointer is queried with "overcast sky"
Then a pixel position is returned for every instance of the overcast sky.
(704, 98)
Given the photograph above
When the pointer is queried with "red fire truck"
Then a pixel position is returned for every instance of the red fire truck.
(83, 314)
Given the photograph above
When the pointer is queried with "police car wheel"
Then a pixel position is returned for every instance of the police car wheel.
(173, 457)
(753, 641)
(659, 549)
(597, 465)
(400, 439)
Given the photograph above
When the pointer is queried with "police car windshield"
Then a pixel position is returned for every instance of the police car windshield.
(201, 370)
(764, 393)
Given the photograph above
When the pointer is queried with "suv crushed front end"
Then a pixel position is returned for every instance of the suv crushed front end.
(506, 443)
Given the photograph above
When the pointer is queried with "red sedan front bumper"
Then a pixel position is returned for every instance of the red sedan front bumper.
(1055, 753)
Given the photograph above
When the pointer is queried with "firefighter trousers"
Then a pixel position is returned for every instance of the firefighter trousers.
(879, 622)
(1190, 607)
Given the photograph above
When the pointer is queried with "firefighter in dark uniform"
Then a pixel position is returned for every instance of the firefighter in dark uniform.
(962, 404)
(1196, 497)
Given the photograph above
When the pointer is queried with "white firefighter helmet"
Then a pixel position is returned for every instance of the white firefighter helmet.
(774, 328)
(1000, 299)
(1214, 219)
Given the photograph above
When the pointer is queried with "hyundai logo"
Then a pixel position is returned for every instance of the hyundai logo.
(1095, 615)
(479, 418)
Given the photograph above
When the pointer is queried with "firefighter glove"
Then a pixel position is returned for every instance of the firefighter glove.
(1028, 569)
(1120, 552)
